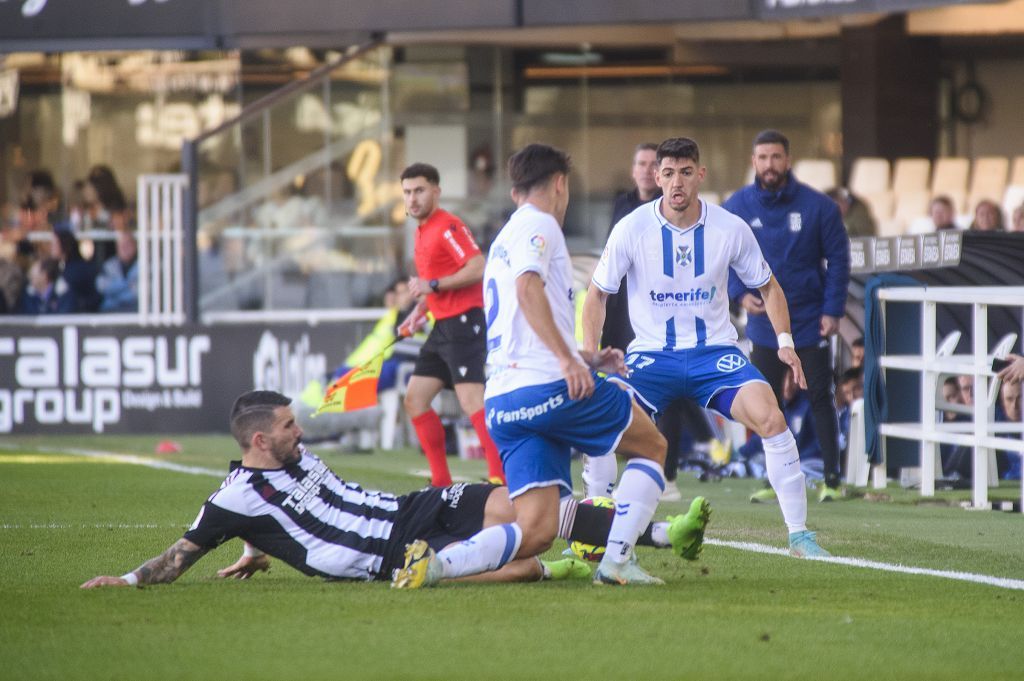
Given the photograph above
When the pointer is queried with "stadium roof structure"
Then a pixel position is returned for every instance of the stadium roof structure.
(52, 26)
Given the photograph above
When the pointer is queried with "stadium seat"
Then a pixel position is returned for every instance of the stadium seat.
(1012, 198)
(910, 175)
(910, 206)
(1017, 171)
(988, 180)
(869, 176)
(950, 179)
(819, 173)
(879, 203)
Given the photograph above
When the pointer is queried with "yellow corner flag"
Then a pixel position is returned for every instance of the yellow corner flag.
(355, 390)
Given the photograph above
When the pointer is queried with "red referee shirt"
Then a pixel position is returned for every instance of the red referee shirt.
(443, 246)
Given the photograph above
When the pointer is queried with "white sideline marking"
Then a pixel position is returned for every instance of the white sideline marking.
(1001, 582)
(86, 526)
(125, 458)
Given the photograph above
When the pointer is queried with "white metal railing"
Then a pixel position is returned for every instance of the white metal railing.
(161, 249)
(983, 435)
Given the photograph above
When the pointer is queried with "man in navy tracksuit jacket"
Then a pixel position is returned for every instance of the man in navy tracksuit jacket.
(802, 237)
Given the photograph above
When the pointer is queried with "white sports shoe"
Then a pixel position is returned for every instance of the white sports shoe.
(621, 574)
(671, 492)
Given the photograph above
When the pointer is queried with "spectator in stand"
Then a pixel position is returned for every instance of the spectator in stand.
(988, 217)
(966, 385)
(12, 283)
(46, 292)
(804, 242)
(105, 204)
(43, 191)
(857, 353)
(956, 459)
(1017, 224)
(1014, 372)
(1009, 412)
(856, 214)
(118, 283)
(942, 212)
(78, 273)
(849, 390)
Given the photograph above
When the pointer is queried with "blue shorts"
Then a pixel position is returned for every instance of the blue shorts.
(536, 428)
(704, 374)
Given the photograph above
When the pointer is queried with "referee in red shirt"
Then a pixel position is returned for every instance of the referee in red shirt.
(449, 269)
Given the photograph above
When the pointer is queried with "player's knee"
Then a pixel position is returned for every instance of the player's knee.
(537, 538)
(413, 405)
(771, 424)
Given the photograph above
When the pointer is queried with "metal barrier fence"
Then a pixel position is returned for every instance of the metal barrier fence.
(983, 434)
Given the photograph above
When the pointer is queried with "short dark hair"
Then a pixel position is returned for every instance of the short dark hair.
(851, 374)
(944, 200)
(68, 244)
(645, 146)
(858, 342)
(952, 381)
(51, 268)
(424, 170)
(254, 411)
(772, 137)
(535, 164)
(678, 147)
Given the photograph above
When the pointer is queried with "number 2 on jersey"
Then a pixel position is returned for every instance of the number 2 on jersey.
(491, 305)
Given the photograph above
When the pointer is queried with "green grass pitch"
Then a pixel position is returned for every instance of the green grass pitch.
(732, 615)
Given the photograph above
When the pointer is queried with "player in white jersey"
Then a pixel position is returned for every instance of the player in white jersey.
(542, 398)
(675, 254)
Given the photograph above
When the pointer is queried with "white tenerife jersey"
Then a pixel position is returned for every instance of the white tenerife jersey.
(531, 241)
(304, 515)
(678, 279)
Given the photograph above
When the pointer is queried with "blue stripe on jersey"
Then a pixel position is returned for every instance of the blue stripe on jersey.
(670, 333)
(702, 331)
(698, 251)
(666, 251)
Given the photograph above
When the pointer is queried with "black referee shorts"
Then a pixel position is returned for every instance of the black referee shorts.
(456, 350)
(438, 515)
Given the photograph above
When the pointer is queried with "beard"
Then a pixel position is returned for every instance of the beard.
(771, 180)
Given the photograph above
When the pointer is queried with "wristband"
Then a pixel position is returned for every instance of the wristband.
(250, 551)
(131, 578)
(786, 341)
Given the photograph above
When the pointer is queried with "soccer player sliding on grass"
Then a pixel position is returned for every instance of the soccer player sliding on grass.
(285, 502)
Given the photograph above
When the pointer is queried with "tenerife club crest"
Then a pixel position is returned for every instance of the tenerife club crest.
(684, 255)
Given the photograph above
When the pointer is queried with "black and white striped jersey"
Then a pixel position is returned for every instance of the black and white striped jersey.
(302, 514)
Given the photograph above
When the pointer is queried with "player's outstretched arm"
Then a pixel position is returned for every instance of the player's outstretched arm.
(252, 561)
(162, 569)
(594, 311)
(778, 315)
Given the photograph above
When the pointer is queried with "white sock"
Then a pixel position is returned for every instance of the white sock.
(659, 534)
(783, 462)
(599, 474)
(487, 550)
(635, 501)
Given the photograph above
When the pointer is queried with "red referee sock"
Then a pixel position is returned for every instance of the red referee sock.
(431, 435)
(494, 468)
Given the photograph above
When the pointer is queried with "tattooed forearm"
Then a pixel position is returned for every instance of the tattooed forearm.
(170, 564)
